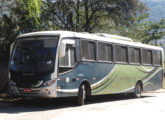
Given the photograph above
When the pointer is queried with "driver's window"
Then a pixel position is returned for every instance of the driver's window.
(67, 62)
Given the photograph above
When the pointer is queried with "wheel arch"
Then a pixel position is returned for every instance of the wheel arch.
(87, 87)
(141, 84)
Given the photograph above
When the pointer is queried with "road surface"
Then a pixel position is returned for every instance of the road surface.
(150, 107)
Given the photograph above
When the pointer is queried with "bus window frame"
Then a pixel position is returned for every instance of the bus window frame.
(118, 62)
(140, 56)
(77, 57)
(89, 40)
(144, 64)
(157, 65)
(104, 61)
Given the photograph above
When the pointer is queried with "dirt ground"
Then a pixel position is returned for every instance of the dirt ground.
(151, 106)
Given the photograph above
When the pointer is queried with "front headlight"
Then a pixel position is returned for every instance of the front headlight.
(11, 83)
(48, 83)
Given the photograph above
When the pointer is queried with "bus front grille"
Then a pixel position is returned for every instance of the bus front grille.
(33, 91)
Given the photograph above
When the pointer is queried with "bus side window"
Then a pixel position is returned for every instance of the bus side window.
(88, 50)
(121, 54)
(134, 54)
(157, 58)
(67, 62)
(146, 57)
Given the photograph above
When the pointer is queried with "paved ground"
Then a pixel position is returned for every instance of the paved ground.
(151, 107)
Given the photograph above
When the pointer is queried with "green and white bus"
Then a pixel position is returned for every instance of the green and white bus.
(64, 63)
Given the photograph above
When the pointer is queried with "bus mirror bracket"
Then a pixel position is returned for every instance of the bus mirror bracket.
(62, 49)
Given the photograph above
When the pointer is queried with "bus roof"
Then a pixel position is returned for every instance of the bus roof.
(97, 36)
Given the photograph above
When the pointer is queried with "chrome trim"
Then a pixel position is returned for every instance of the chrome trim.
(67, 90)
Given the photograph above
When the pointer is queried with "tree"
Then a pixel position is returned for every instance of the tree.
(8, 33)
(153, 31)
(92, 15)
(22, 16)
(145, 31)
(7, 27)
(27, 15)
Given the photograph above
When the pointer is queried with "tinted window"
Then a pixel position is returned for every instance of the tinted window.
(91, 51)
(84, 49)
(156, 57)
(121, 54)
(101, 51)
(88, 50)
(109, 51)
(124, 54)
(118, 53)
(34, 54)
(104, 52)
(134, 55)
(147, 58)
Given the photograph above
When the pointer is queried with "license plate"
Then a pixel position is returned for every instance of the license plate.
(27, 90)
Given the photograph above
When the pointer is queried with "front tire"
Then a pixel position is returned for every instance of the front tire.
(81, 95)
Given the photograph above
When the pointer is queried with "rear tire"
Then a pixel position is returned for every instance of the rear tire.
(137, 91)
(81, 95)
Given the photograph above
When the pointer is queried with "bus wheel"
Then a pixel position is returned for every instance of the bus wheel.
(137, 91)
(81, 95)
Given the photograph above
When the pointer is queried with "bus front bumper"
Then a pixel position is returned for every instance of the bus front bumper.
(49, 92)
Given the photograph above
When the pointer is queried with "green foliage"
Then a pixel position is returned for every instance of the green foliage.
(154, 31)
(92, 15)
(145, 31)
(23, 16)
(122, 17)
(142, 30)
(27, 13)
(33, 7)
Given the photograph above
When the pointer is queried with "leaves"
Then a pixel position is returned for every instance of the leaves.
(92, 15)
(23, 16)
(30, 10)
(121, 17)
(154, 31)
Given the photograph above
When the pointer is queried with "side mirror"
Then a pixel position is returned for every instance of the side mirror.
(62, 47)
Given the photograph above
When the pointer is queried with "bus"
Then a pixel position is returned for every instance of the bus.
(67, 64)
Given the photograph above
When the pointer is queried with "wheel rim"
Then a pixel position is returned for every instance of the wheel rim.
(81, 95)
(138, 90)
(84, 93)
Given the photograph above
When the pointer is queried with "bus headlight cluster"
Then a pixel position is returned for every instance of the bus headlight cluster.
(12, 83)
(48, 83)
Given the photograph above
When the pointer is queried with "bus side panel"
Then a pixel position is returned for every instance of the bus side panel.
(123, 79)
(68, 83)
(155, 82)
(106, 78)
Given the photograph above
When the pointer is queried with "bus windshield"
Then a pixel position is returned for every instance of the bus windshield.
(34, 54)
